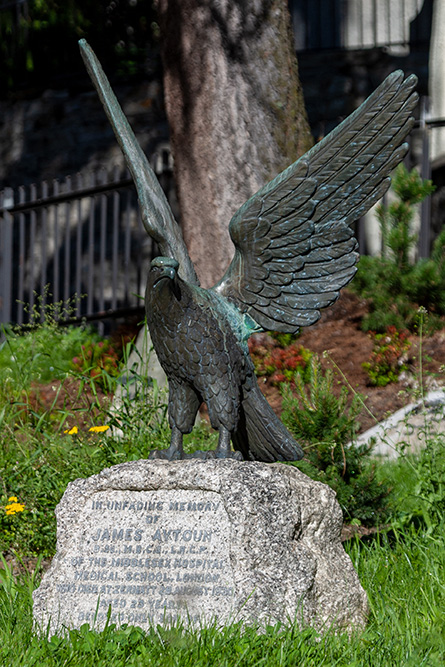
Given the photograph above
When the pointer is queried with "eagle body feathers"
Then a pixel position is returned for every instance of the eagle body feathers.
(200, 339)
(198, 348)
(294, 251)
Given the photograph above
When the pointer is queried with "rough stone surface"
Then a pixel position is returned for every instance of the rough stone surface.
(203, 540)
(407, 430)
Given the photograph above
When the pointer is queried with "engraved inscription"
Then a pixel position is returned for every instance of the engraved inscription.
(149, 556)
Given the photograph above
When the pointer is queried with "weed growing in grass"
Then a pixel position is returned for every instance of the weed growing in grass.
(99, 429)
(420, 482)
(416, 501)
(42, 350)
(430, 482)
(13, 506)
(98, 360)
(420, 478)
(36, 359)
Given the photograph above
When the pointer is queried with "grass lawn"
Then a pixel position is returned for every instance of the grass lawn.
(403, 576)
(401, 568)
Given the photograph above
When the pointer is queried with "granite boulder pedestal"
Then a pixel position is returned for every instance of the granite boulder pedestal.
(153, 541)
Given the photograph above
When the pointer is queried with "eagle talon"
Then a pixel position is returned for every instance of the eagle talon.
(229, 455)
(166, 455)
(173, 453)
(201, 454)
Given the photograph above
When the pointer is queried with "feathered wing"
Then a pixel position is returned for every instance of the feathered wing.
(156, 213)
(294, 246)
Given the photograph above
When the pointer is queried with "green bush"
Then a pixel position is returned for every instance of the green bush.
(420, 481)
(41, 354)
(430, 483)
(395, 284)
(325, 424)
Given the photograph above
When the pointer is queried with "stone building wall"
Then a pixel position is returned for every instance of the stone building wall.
(62, 132)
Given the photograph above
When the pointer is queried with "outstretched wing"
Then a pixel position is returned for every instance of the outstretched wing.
(156, 213)
(294, 247)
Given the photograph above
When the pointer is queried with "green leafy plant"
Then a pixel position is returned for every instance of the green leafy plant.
(40, 43)
(284, 339)
(41, 354)
(99, 360)
(395, 283)
(325, 423)
(387, 357)
(430, 482)
(37, 376)
(277, 363)
(418, 501)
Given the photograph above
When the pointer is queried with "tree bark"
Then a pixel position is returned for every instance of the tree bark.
(235, 109)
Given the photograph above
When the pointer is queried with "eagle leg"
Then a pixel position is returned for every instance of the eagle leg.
(224, 450)
(175, 451)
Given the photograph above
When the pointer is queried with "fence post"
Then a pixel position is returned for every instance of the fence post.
(6, 202)
(425, 172)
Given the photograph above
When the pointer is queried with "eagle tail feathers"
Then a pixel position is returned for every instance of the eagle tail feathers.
(260, 435)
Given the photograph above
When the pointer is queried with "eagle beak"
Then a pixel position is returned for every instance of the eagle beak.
(166, 272)
(165, 269)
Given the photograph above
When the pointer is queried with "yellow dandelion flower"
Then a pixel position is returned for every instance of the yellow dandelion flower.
(72, 431)
(99, 429)
(12, 499)
(14, 508)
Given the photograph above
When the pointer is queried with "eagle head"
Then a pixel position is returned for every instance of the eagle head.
(163, 280)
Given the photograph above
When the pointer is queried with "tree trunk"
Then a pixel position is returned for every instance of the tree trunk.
(235, 109)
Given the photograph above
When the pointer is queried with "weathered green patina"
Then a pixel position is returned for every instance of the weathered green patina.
(294, 251)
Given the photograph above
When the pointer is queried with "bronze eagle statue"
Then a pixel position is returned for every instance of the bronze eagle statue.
(294, 251)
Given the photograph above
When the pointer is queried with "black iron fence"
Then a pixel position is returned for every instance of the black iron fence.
(79, 241)
(83, 240)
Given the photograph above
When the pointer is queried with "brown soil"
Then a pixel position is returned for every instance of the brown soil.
(338, 334)
(339, 342)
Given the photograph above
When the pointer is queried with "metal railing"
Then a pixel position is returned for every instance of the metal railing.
(83, 237)
(80, 240)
